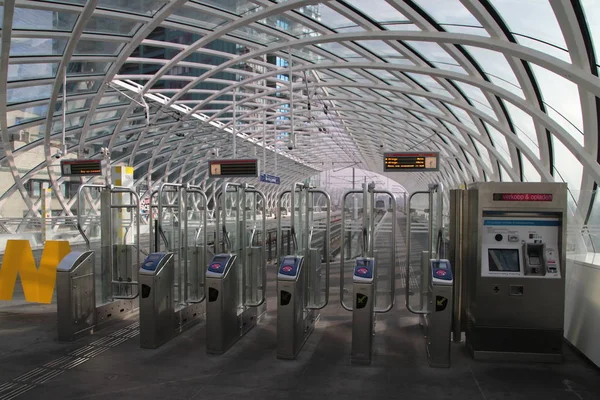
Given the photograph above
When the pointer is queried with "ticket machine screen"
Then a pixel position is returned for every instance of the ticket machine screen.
(504, 260)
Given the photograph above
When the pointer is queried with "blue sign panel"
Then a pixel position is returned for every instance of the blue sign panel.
(269, 178)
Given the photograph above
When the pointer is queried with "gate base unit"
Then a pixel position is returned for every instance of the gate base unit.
(77, 312)
(227, 319)
(295, 322)
(363, 313)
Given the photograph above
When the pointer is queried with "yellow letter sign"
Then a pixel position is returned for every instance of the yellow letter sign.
(38, 283)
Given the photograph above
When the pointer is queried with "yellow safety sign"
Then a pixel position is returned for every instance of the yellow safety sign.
(38, 283)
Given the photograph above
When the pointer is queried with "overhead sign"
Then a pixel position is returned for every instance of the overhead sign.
(522, 197)
(233, 168)
(411, 162)
(269, 178)
(81, 167)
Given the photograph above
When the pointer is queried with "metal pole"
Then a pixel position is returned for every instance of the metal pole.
(292, 141)
(352, 178)
(233, 123)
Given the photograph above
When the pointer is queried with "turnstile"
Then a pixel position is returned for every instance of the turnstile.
(179, 279)
(90, 293)
(236, 278)
(368, 250)
(302, 287)
(428, 275)
(157, 307)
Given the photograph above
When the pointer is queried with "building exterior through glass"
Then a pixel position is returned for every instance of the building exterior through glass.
(504, 90)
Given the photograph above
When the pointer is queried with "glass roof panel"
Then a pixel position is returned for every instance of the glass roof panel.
(534, 19)
(529, 172)
(335, 20)
(24, 115)
(499, 142)
(476, 96)
(378, 10)
(194, 17)
(21, 72)
(45, 20)
(451, 15)
(21, 95)
(497, 68)
(561, 97)
(97, 47)
(111, 26)
(524, 126)
(142, 7)
(433, 52)
(37, 46)
(238, 7)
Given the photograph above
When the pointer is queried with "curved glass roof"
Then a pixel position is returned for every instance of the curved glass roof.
(505, 90)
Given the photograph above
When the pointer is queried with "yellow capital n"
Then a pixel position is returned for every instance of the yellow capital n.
(38, 283)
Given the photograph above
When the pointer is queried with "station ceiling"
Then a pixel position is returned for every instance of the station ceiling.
(505, 90)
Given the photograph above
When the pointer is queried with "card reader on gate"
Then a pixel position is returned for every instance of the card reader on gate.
(219, 265)
(364, 270)
(151, 263)
(441, 272)
(290, 268)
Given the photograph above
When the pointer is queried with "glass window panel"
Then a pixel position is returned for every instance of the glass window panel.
(562, 99)
(524, 127)
(477, 98)
(336, 21)
(81, 86)
(192, 16)
(566, 166)
(97, 47)
(341, 51)
(475, 169)
(21, 95)
(423, 102)
(30, 19)
(504, 176)
(530, 174)
(400, 26)
(499, 142)
(497, 68)
(449, 12)
(99, 132)
(533, 18)
(37, 47)
(111, 26)
(72, 122)
(592, 15)
(22, 116)
(21, 72)
(87, 68)
(484, 155)
(292, 27)
(106, 115)
(378, 10)
(551, 50)
(463, 116)
(238, 7)
(143, 7)
(455, 132)
(434, 53)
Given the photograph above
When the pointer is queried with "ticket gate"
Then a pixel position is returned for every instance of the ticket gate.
(367, 263)
(302, 287)
(429, 276)
(236, 278)
(90, 293)
(514, 271)
(178, 278)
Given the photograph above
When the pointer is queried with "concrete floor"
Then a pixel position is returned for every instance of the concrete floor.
(110, 364)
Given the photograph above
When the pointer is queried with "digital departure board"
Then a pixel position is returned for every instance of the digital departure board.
(233, 168)
(81, 167)
(411, 162)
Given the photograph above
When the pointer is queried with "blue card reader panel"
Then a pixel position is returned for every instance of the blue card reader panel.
(152, 261)
(440, 269)
(290, 266)
(218, 264)
(364, 268)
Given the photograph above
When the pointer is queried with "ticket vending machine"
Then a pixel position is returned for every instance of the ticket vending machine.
(515, 266)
